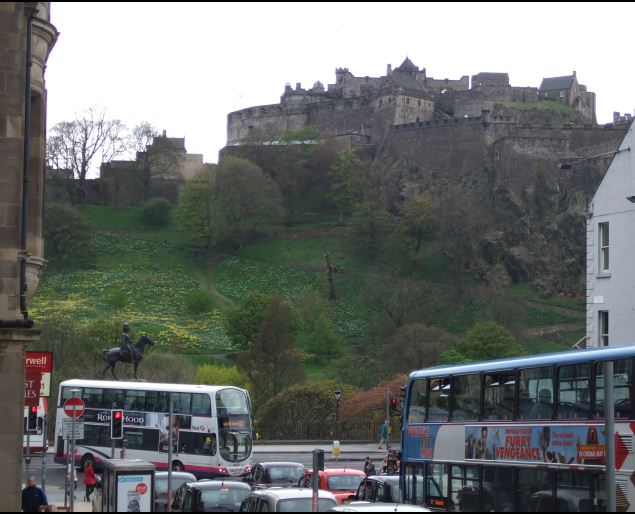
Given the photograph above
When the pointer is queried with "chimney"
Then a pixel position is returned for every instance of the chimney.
(574, 73)
(388, 69)
(298, 86)
(164, 133)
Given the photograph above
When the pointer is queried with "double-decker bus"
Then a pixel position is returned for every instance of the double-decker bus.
(36, 440)
(211, 425)
(520, 434)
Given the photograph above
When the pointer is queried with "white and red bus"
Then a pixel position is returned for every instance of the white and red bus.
(212, 429)
(522, 434)
(37, 441)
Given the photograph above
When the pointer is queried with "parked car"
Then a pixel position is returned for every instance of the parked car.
(286, 499)
(342, 482)
(379, 507)
(210, 496)
(161, 487)
(267, 474)
(379, 488)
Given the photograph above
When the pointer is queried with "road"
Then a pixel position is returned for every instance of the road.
(351, 455)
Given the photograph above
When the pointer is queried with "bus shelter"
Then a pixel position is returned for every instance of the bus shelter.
(127, 486)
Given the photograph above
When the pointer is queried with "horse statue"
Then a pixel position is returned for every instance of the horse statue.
(114, 355)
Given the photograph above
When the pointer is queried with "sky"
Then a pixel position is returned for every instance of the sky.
(184, 66)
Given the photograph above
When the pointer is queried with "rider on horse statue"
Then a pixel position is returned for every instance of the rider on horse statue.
(127, 350)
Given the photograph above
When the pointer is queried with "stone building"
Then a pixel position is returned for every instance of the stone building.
(161, 170)
(369, 106)
(24, 29)
(610, 263)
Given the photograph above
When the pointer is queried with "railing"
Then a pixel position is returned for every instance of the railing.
(324, 430)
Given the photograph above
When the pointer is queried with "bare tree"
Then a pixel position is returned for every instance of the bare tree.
(74, 145)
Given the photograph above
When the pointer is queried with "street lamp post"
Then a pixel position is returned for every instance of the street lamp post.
(338, 397)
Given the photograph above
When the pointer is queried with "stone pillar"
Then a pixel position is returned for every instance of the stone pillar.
(12, 344)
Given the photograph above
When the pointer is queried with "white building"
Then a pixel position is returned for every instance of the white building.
(610, 253)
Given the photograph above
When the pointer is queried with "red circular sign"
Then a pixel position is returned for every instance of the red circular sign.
(142, 488)
(78, 405)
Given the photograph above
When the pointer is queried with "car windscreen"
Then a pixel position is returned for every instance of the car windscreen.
(289, 474)
(304, 505)
(225, 499)
(343, 482)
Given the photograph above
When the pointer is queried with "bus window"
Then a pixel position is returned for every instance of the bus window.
(573, 491)
(436, 485)
(157, 401)
(418, 401)
(498, 395)
(535, 490)
(498, 489)
(622, 389)
(414, 484)
(135, 400)
(439, 399)
(113, 398)
(466, 393)
(93, 398)
(536, 393)
(201, 405)
(466, 489)
(194, 443)
(573, 392)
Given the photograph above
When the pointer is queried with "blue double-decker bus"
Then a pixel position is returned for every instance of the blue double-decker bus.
(522, 434)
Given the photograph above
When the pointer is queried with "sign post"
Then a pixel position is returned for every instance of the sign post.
(74, 408)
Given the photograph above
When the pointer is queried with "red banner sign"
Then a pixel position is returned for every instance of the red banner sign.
(32, 384)
(42, 364)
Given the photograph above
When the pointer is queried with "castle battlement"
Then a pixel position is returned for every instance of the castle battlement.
(404, 97)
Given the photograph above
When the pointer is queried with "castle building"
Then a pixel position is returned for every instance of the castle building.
(26, 39)
(369, 106)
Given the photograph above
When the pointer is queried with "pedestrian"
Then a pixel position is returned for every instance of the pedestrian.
(369, 467)
(33, 497)
(89, 480)
(383, 434)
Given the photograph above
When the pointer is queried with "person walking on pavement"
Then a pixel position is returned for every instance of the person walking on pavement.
(383, 434)
(89, 480)
(33, 497)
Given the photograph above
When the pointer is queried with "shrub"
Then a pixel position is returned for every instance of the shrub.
(219, 374)
(156, 212)
(67, 237)
(199, 302)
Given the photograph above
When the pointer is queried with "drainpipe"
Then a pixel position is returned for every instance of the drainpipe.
(25, 176)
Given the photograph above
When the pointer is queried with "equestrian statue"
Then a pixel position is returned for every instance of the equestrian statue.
(127, 352)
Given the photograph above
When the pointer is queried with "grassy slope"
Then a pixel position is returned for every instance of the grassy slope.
(144, 277)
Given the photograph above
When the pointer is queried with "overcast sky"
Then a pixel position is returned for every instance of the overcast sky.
(184, 66)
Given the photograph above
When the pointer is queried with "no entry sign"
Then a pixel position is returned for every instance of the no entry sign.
(74, 407)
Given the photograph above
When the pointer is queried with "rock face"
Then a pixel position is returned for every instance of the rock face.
(533, 212)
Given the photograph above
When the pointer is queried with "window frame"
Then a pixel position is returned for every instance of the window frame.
(604, 246)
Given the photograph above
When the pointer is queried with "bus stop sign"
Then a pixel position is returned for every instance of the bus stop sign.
(74, 407)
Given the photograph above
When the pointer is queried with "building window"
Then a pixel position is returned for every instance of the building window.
(419, 103)
(604, 247)
(603, 326)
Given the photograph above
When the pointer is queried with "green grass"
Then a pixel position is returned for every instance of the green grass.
(524, 292)
(145, 277)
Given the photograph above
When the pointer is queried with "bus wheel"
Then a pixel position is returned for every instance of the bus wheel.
(177, 466)
(86, 459)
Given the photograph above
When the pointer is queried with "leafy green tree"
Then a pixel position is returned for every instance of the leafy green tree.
(346, 177)
(272, 363)
(321, 339)
(416, 220)
(371, 224)
(360, 371)
(156, 212)
(484, 341)
(196, 210)
(245, 197)
(243, 323)
(68, 237)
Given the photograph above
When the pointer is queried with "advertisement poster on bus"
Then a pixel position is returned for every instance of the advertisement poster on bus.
(419, 441)
(134, 493)
(535, 443)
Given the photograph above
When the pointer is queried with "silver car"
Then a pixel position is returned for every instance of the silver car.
(379, 507)
(287, 499)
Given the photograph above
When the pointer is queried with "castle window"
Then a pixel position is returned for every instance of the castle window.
(561, 94)
(419, 103)
(380, 102)
(408, 101)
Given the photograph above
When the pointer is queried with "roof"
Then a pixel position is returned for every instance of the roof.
(406, 81)
(547, 359)
(551, 83)
(292, 492)
(338, 471)
(407, 66)
(384, 478)
(278, 463)
(217, 484)
(145, 386)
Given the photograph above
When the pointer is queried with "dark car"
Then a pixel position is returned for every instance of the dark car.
(379, 488)
(161, 487)
(210, 496)
(268, 474)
